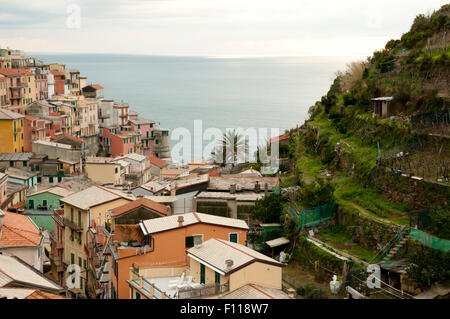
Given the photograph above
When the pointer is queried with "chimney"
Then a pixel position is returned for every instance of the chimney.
(257, 187)
(2, 216)
(232, 188)
(229, 263)
(180, 221)
(169, 211)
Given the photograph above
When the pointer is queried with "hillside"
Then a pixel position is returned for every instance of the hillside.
(386, 171)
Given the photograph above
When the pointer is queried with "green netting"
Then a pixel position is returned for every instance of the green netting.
(310, 217)
(276, 190)
(430, 241)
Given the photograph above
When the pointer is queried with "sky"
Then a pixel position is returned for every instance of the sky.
(208, 27)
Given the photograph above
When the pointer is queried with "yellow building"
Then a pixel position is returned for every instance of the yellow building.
(83, 211)
(216, 269)
(11, 132)
(3, 92)
(103, 170)
(29, 89)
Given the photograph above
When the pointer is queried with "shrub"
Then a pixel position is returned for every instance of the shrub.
(317, 193)
(268, 209)
(311, 291)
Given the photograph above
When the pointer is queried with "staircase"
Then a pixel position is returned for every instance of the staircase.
(392, 248)
(395, 250)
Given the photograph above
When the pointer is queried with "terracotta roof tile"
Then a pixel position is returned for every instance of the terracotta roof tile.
(157, 162)
(157, 207)
(19, 230)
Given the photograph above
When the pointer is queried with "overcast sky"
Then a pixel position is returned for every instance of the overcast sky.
(208, 27)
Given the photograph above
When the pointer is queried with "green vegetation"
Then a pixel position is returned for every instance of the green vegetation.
(429, 266)
(268, 209)
(317, 193)
(311, 291)
(439, 221)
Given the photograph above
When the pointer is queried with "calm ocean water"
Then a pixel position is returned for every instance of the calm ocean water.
(222, 92)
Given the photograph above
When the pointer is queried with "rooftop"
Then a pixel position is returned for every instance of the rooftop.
(9, 115)
(25, 156)
(140, 202)
(12, 269)
(240, 196)
(55, 190)
(25, 293)
(215, 252)
(93, 196)
(252, 291)
(19, 173)
(157, 225)
(133, 156)
(19, 231)
(157, 162)
(241, 182)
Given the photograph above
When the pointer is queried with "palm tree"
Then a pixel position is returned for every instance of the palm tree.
(232, 148)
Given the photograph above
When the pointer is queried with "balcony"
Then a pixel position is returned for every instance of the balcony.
(72, 225)
(57, 261)
(166, 288)
(57, 244)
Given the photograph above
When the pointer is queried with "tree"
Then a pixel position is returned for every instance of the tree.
(317, 193)
(439, 221)
(268, 209)
(231, 149)
(429, 266)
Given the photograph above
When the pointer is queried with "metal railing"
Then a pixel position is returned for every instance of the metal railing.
(73, 225)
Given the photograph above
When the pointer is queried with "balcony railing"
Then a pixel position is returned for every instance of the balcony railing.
(205, 291)
(71, 224)
(58, 244)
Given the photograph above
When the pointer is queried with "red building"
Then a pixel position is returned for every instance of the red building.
(119, 143)
(34, 130)
(60, 80)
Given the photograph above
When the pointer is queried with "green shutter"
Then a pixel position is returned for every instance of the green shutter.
(233, 238)
(202, 273)
(189, 241)
(217, 278)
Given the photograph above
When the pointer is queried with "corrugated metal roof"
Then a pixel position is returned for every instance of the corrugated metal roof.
(277, 242)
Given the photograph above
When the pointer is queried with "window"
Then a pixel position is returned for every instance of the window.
(233, 237)
(217, 278)
(72, 258)
(50, 179)
(79, 262)
(24, 163)
(138, 296)
(148, 240)
(11, 163)
(189, 241)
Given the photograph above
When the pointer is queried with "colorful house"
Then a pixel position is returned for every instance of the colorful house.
(20, 237)
(119, 143)
(84, 212)
(217, 268)
(106, 170)
(11, 132)
(163, 242)
(47, 198)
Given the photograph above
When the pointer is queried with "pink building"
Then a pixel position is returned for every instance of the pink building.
(144, 127)
(41, 86)
(119, 143)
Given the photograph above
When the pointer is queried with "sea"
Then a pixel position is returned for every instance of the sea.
(222, 92)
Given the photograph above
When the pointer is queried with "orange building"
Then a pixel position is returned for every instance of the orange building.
(163, 241)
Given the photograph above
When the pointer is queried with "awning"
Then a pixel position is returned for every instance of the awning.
(277, 242)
